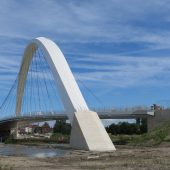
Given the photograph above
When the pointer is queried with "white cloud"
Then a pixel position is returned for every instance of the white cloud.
(90, 21)
(128, 71)
(94, 20)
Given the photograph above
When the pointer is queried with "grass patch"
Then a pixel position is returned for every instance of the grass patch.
(5, 167)
(55, 138)
(122, 139)
(155, 137)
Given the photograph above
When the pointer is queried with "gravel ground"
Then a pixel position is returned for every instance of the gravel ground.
(125, 157)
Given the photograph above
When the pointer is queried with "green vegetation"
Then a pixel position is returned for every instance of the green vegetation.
(55, 138)
(121, 134)
(62, 127)
(61, 134)
(159, 135)
(60, 138)
(126, 128)
(122, 139)
(155, 137)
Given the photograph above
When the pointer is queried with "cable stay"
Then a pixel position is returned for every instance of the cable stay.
(40, 96)
(97, 99)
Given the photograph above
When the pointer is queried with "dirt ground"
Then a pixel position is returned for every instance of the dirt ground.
(125, 157)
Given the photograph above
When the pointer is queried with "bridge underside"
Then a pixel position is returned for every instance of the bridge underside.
(11, 122)
(7, 124)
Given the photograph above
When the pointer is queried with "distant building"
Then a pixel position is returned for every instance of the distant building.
(29, 129)
(46, 128)
(22, 130)
(156, 107)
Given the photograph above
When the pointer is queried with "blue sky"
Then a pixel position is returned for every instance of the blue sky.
(120, 49)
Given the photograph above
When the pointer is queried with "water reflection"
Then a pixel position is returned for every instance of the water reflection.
(30, 151)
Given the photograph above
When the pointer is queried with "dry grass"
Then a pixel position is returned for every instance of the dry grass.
(126, 157)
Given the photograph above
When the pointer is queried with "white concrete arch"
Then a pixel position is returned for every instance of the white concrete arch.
(87, 133)
(69, 92)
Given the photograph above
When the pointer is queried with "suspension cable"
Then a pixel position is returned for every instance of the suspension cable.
(91, 92)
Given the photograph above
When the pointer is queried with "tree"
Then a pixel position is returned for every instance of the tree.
(128, 128)
(143, 127)
(38, 129)
(122, 128)
(62, 127)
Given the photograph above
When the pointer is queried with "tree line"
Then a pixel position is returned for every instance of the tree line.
(139, 127)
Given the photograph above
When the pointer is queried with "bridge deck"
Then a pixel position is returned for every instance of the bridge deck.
(55, 116)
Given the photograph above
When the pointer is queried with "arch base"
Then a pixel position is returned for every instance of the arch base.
(88, 133)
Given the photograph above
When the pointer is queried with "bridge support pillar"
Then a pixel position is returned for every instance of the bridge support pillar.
(88, 133)
(17, 131)
(14, 131)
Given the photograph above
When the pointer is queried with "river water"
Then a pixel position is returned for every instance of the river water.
(30, 151)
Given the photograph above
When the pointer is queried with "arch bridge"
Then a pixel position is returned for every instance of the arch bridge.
(88, 133)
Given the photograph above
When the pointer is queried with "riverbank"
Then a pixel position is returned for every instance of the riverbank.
(125, 157)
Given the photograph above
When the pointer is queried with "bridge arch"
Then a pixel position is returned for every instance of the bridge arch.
(87, 131)
(69, 92)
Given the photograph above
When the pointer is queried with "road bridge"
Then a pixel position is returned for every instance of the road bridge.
(8, 123)
(45, 82)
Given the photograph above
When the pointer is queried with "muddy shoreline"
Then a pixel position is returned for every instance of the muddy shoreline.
(125, 157)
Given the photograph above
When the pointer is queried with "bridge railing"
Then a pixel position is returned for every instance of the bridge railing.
(32, 114)
(118, 110)
(100, 111)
